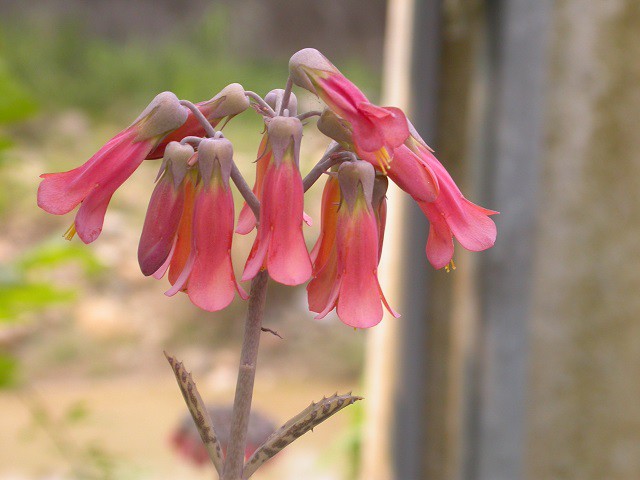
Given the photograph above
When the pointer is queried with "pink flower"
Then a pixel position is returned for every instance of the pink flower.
(417, 171)
(324, 253)
(407, 170)
(377, 131)
(228, 103)
(451, 214)
(165, 210)
(94, 183)
(279, 245)
(247, 220)
(207, 276)
(348, 281)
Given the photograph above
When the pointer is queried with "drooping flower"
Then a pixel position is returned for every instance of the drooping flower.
(407, 170)
(279, 245)
(166, 206)
(228, 103)
(416, 170)
(377, 131)
(247, 220)
(324, 253)
(207, 276)
(452, 215)
(348, 281)
(94, 183)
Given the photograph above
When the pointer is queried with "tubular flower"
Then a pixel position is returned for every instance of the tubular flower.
(94, 183)
(417, 171)
(451, 214)
(323, 254)
(377, 131)
(207, 275)
(408, 171)
(228, 103)
(279, 245)
(165, 209)
(348, 281)
(247, 220)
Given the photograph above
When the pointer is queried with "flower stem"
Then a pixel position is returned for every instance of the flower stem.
(245, 191)
(328, 160)
(200, 117)
(264, 106)
(234, 460)
(285, 97)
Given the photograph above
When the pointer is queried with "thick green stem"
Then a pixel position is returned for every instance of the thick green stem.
(234, 460)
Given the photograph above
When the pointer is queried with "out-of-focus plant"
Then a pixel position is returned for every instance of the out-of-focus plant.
(24, 294)
(16, 103)
(84, 460)
(190, 223)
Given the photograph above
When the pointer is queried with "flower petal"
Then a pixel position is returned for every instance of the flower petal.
(212, 285)
(440, 241)
(321, 286)
(412, 175)
(160, 226)
(359, 299)
(59, 193)
(288, 260)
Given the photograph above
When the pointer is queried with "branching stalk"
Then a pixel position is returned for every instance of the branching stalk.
(264, 106)
(191, 140)
(246, 376)
(285, 97)
(327, 161)
(201, 118)
(245, 191)
(309, 114)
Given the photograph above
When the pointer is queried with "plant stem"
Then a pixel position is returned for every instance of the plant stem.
(327, 161)
(200, 117)
(246, 192)
(234, 460)
(286, 96)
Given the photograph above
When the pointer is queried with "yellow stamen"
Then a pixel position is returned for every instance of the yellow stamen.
(70, 233)
(383, 160)
(450, 266)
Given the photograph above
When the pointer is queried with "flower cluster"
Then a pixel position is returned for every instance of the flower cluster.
(189, 226)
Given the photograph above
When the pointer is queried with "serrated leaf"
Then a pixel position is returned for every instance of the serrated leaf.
(307, 420)
(198, 411)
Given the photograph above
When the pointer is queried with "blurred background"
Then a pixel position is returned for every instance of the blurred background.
(523, 363)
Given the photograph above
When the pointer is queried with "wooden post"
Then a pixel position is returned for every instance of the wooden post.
(516, 60)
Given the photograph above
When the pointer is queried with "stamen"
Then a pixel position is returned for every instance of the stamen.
(70, 233)
(383, 160)
(450, 266)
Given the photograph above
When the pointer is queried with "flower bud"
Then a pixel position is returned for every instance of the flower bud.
(275, 96)
(176, 157)
(284, 133)
(232, 101)
(163, 115)
(336, 128)
(354, 178)
(308, 59)
(215, 158)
